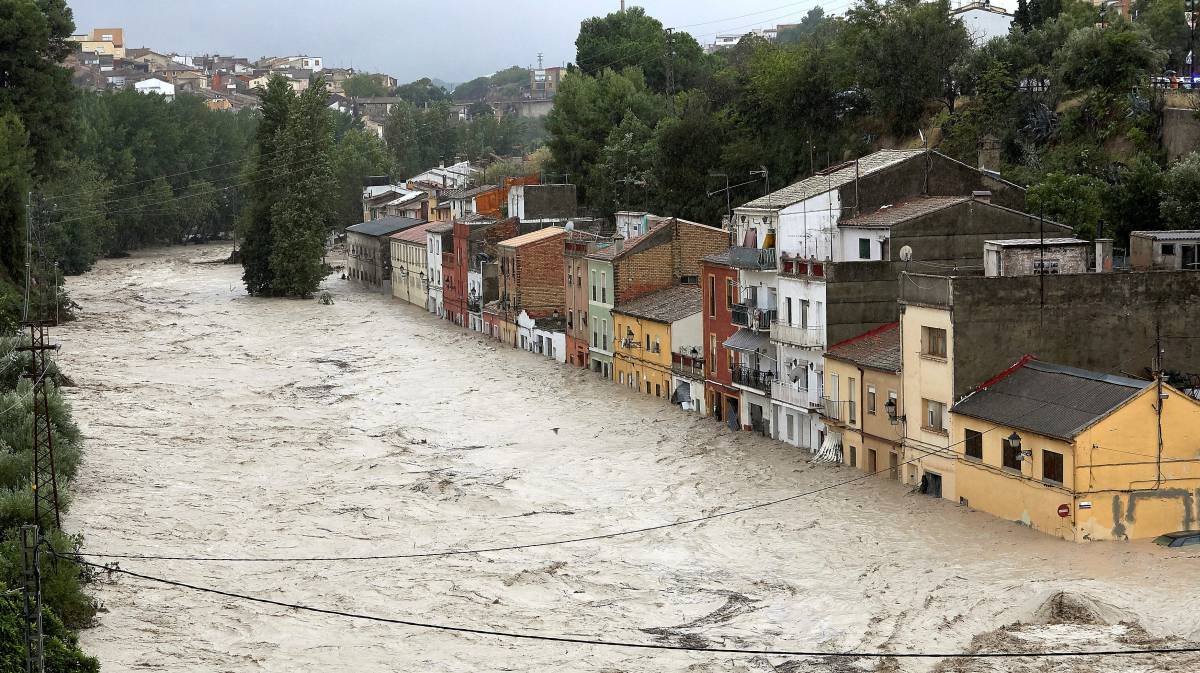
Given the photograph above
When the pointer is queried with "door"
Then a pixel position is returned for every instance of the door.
(931, 484)
(871, 461)
(731, 413)
(1191, 257)
(894, 465)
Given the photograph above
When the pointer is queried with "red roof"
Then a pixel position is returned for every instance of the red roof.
(415, 234)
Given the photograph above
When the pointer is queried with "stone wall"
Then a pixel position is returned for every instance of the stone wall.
(1181, 132)
(540, 277)
(1103, 322)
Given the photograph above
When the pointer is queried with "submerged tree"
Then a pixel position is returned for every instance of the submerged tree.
(264, 188)
(299, 218)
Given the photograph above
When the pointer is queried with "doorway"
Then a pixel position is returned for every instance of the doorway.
(931, 484)
(871, 467)
(731, 413)
(894, 465)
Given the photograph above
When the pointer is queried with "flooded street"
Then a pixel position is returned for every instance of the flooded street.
(222, 425)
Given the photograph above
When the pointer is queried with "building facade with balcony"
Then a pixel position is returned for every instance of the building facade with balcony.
(409, 264)
(718, 284)
(668, 254)
(369, 251)
(863, 379)
(439, 239)
(474, 271)
(649, 331)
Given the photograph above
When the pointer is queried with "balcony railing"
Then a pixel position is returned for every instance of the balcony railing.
(752, 317)
(687, 365)
(804, 337)
(752, 377)
(754, 259)
(840, 411)
(803, 268)
(793, 394)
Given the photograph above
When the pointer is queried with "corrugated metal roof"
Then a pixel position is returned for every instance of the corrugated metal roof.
(384, 226)
(1049, 399)
(819, 184)
(1036, 242)
(665, 306)
(748, 340)
(878, 349)
(532, 237)
(1178, 235)
(890, 215)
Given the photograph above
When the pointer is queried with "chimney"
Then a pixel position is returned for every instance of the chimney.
(618, 243)
(983, 196)
(1104, 255)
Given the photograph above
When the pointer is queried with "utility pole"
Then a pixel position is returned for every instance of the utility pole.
(1158, 404)
(30, 540)
(45, 479)
(28, 251)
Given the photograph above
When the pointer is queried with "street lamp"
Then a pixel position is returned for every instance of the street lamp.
(890, 408)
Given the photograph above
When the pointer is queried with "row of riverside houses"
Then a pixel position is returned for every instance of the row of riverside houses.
(900, 314)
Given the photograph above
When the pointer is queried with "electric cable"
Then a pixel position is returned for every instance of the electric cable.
(576, 640)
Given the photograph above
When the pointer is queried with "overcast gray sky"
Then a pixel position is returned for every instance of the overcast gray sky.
(454, 41)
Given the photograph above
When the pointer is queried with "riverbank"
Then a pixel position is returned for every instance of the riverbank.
(220, 424)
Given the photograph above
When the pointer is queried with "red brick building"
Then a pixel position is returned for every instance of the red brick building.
(718, 283)
(531, 274)
(473, 273)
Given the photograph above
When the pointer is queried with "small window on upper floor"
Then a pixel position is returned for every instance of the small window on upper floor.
(864, 248)
(933, 342)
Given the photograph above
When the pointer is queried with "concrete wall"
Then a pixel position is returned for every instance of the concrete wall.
(933, 174)
(1102, 322)
(1181, 132)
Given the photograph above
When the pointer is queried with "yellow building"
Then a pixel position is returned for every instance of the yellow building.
(1077, 454)
(646, 330)
(109, 41)
(927, 392)
(409, 263)
(862, 375)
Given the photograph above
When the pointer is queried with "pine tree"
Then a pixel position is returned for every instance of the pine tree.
(300, 216)
(15, 165)
(1021, 16)
(264, 189)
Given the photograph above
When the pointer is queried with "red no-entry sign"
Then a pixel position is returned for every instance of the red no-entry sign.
(1064, 511)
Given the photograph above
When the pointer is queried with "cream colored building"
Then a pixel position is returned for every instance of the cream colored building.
(862, 376)
(409, 264)
(109, 41)
(927, 393)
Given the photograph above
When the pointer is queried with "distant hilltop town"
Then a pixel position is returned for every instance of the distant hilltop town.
(104, 62)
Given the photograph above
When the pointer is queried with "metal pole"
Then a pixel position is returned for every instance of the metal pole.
(28, 250)
(30, 539)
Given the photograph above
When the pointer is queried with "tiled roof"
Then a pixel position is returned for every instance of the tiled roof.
(415, 234)
(384, 226)
(441, 228)
(887, 216)
(665, 306)
(819, 184)
(532, 237)
(476, 218)
(467, 192)
(877, 349)
(1051, 400)
(719, 258)
(1178, 235)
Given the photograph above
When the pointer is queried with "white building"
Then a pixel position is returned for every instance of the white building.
(438, 240)
(155, 85)
(983, 20)
(455, 176)
(785, 240)
(635, 223)
(542, 336)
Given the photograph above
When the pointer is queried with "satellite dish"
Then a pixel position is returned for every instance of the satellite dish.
(570, 225)
(906, 253)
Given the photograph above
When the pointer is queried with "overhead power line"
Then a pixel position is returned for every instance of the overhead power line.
(597, 642)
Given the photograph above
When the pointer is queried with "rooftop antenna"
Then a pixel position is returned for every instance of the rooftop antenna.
(539, 60)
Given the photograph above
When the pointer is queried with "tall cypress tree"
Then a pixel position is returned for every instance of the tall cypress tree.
(15, 165)
(299, 218)
(264, 189)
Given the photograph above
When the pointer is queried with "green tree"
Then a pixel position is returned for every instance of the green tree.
(1074, 200)
(625, 165)
(363, 86)
(1131, 202)
(1166, 22)
(33, 42)
(422, 92)
(265, 188)
(1113, 59)
(358, 154)
(633, 38)
(15, 164)
(301, 215)
(1180, 207)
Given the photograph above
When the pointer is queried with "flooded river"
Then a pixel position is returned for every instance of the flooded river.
(222, 425)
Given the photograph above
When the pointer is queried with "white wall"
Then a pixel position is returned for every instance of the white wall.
(688, 332)
(433, 247)
(849, 237)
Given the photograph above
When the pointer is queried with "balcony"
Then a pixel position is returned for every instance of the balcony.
(752, 317)
(804, 337)
(841, 412)
(753, 259)
(691, 366)
(790, 393)
(752, 377)
(808, 269)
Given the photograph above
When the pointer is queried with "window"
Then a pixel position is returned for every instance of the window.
(852, 407)
(647, 343)
(935, 416)
(621, 377)
(604, 333)
(791, 427)
(729, 293)
(595, 339)
(853, 457)
(712, 352)
(657, 346)
(804, 313)
(871, 400)
(593, 284)
(1012, 456)
(1052, 466)
(570, 318)
(788, 314)
(689, 280)
(1168, 248)
(604, 287)
(657, 390)
(712, 296)
(647, 387)
(973, 446)
(864, 248)
(933, 342)
(1045, 267)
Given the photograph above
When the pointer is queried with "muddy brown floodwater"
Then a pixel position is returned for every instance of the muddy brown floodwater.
(219, 424)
